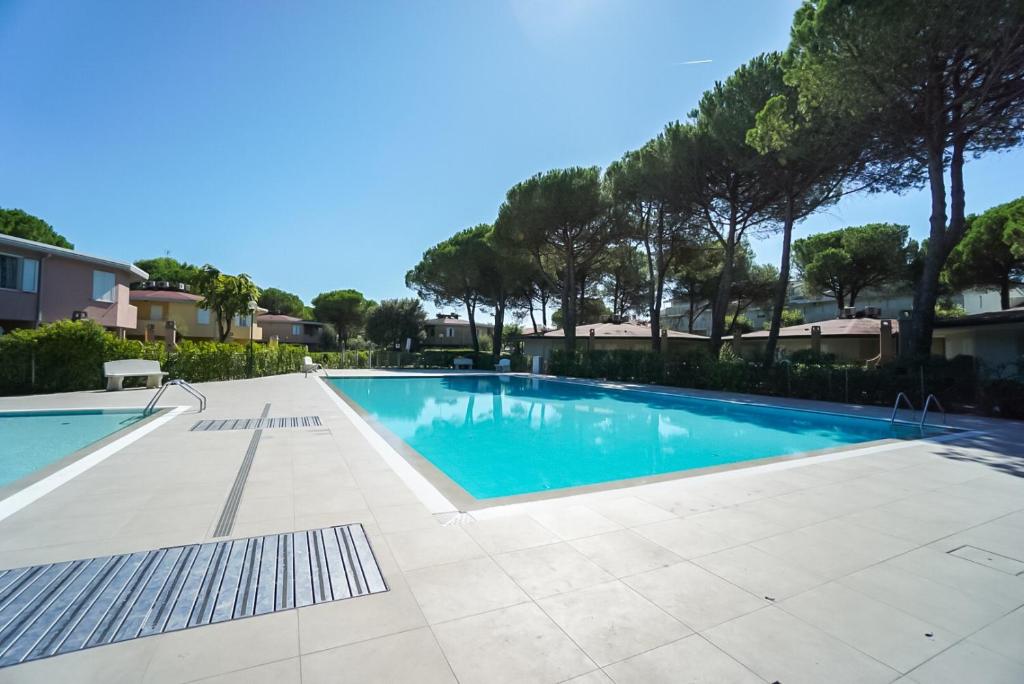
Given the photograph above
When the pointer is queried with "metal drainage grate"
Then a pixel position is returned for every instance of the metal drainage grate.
(47, 610)
(255, 423)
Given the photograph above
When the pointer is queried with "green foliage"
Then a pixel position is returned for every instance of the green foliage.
(226, 296)
(594, 311)
(170, 269)
(809, 357)
(560, 218)
(844, 262)
(346, 310)
(946, 309)
(991, 252)
(792, 317)
(741, 324)
(17, 223)
(394, 321)
(66, 356)
(280, 302)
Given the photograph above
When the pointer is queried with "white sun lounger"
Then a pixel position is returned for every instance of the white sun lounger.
(309, 367)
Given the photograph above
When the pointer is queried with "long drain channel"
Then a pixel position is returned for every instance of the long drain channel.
(47, 610)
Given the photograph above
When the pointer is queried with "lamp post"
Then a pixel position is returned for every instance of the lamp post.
(252, 324)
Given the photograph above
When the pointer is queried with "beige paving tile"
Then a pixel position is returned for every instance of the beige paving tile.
(225, 647)
(512, 533)
(595, 677)
(624, 552)
(572, 522)
(514, 645)
(783, 648)
(833, 548)
(691, 660)
(922, 518)
(889, 635)
(455, 590)
(412, 656)
(962, 575)
(629, 511)
(120, 662)
(552, 569)
(946, 607)
(968, 662)
(432, 546)
(695, 596)
(282, 672)
(1004, 636)
(338, 623)
(403, 518)
(1000, 537)
(611, 621)
(686, 538)
(761, 574)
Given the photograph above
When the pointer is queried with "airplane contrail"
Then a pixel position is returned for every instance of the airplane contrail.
(694, 61)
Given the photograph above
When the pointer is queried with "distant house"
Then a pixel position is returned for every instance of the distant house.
(995, 338)
(610, 336)
(291, 330)
(448, 330)
(41, 283)
(160, 302)
(849, 339)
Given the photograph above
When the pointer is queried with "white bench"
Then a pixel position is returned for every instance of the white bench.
(503, 366)
(116, 371)
(309, 367)
(462, 362)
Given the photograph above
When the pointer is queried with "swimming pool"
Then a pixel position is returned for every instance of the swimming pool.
(499, 436)
(32, 440)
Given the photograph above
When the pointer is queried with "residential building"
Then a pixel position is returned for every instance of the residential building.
(995, 338)
(609, 337)
(42, 283)
(161, 302)
(291, 330)
(859, 339)
(448, 330)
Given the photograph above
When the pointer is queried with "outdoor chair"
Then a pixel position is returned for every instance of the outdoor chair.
(309, 367)
(503, 366)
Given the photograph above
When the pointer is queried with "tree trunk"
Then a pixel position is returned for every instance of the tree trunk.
(782, 287)
(1004, 294)
(840, 301)
(499, 323)
(544, 307)
(569, 303)
(720, 307)
(690, 314)
(533, 319)
(471, 316)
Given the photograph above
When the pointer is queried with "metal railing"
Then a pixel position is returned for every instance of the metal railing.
(151, 406)
(896, 406)
(927, 404)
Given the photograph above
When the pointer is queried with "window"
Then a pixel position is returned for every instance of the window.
(9, 271)
(203, 316)
(449, 332)
(156, 312)
(104, 287)
(297, 329)
(242, 321)
(30, 275)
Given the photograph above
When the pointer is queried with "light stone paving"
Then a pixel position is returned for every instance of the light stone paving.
(829, 571)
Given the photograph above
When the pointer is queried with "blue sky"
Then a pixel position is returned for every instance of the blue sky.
(325, 145)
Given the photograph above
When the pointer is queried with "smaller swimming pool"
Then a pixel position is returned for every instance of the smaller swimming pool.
(32, 440)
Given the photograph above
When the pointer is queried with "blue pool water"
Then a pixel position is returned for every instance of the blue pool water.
(30, 440)
(501, 435)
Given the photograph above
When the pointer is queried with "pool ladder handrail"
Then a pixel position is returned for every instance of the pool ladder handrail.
(896, 406)
(927, 403)
(151, 406)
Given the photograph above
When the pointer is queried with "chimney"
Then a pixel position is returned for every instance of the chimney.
(886, 341)
(816, 338)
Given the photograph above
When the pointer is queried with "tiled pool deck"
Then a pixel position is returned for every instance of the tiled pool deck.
(822, 571)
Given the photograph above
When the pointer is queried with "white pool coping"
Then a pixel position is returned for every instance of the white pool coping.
(35, 491)
(436, 502)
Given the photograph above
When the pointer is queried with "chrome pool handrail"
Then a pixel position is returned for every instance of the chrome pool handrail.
(151, 406)
(896, 406)
(928, 403)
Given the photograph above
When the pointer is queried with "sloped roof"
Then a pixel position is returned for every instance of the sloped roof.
(163, 296)
(456, 322)
(614, 330)
(284, 318)
(1014, 315)
(71, 254)
(836, 327)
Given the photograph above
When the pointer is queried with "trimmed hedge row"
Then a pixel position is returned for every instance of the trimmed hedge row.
(956, 382)
(68, 356)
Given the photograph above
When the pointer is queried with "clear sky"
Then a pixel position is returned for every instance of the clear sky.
(325, 145)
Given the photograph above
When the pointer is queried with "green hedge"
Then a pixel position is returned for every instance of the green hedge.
(68, 356)
(956, 382)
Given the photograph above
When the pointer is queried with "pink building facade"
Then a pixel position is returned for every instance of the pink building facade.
(41, 283)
